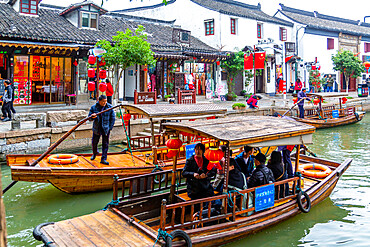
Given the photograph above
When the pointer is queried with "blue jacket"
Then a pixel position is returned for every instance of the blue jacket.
(105, 120)
(8, 94)
(248, 168)
(301, 95)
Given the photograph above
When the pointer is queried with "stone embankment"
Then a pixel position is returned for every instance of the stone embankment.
(52, 125)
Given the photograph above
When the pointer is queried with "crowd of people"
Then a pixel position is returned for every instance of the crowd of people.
(245, 171)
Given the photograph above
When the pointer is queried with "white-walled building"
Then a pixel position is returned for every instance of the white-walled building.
(321, 36)
(227, 26)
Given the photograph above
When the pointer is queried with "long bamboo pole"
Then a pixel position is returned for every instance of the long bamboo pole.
(292, 107)
(52, 147)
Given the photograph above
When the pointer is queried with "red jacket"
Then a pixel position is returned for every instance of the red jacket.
(252, 101)
(109, 89)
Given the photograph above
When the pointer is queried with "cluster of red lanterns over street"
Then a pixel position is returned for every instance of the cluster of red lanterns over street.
(96, 72)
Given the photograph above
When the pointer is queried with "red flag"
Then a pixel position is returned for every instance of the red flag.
(259, 60)
(288, 58)
(248, 61)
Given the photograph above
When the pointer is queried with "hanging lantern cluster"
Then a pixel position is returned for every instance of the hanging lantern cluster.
(173, 144)
(91, 73)
(214, 155)
(367, 66)
(344, 100)
(102, 74)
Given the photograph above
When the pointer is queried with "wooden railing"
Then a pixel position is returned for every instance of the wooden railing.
(145, 184)
(145, 97)
(328, 111)
(145, 142)
(186, 97)
(181, 215)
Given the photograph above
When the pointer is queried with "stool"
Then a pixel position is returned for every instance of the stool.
(71, 99)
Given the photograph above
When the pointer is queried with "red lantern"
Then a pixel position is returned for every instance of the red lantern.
(102, 74)
(344, 100)
(145, 69)
(194, 58)
(91, 73)
(103, 86)
(91, 86)
(173, 144)
(91, 60)
(313, 67)
(316, 101)
(367, 66)
(295, 100)
(126, 117)
(218, 63)
(214, 155)
(102, 62)
(75, 63)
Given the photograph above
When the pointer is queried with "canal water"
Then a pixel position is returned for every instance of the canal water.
(341, 220)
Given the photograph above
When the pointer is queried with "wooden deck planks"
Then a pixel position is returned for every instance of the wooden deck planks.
(100, 229)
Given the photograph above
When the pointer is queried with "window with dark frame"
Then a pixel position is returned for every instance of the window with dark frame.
(283, 34)
(330, 44)
(259, 31)
(367, 47)
(29, 7)
(209, 27)
(89, 20)
(233, 26)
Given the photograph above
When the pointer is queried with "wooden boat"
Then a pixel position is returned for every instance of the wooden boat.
(141, 213)
(330, 116)
(87, 175)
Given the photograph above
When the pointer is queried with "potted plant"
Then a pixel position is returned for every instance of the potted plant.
(239, 106)
(243, 93)
(231, 96)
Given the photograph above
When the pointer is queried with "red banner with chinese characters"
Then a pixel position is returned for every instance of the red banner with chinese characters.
(259, 60)
(248, 61)
(22, 91)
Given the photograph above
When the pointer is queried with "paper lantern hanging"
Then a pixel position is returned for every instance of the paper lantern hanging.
(313, 67)
(316, 101)
(102, 62)
(91, 86)
(91, 60)
(367, 66)
(344, 100)
(91, 73)
(218, 63)
(102, 74)
(126, 118)
(103, 86)
(295, 100)
(173, 144)
(75, 63)
(214, 155)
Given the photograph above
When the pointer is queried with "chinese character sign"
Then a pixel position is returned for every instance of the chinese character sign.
(264, 197)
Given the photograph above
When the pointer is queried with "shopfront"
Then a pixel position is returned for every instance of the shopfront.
(41, 74)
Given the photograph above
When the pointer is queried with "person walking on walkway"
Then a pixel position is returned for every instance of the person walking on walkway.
(302, 95)
(298, 85)
(110, 92)
(330, 83)
(7, 102)
(102, 126)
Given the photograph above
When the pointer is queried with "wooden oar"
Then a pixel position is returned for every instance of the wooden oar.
(292, 107)
(52, 147)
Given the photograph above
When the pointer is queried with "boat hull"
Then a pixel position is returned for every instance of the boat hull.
(332, 122)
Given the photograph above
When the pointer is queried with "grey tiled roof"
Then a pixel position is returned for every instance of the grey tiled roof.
(231, 7)
(49, 26)
(319, 21)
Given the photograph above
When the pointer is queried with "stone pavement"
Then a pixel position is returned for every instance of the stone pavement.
(267, 101)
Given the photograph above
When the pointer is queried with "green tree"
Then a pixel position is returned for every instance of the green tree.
(128, 48)
(233, 66)
(349, 64)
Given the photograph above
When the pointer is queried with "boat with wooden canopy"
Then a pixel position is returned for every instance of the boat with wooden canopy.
(330, 116)
(141, 214)
(77, 173)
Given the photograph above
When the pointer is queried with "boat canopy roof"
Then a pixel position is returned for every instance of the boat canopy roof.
(328, 95)
(175, 110)
(256, 131)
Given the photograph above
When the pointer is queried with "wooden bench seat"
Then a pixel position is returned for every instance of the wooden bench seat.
(184, 196)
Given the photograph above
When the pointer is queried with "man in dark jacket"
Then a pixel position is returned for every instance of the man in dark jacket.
(301, 97)
(245, 161)
(261, 175)
(102, 126)
(7, 101)
(197, 175)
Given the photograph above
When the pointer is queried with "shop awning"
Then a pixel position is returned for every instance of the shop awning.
(30, 44)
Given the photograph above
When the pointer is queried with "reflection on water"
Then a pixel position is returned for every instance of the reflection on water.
(341, 220)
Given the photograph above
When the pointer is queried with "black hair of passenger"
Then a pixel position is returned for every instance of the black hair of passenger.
(247, 148)
(201, 146)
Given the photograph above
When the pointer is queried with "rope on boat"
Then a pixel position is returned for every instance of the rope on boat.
(127, 137)
(48, 244)
(162, 234)
(111, 203)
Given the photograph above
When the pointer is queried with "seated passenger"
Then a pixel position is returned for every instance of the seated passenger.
(276, 166)
(261, 175)
(245, 161)
(220, 173)
(197, 175)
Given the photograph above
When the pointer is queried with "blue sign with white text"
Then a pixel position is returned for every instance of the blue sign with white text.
(190, 150)
(264, 197)
(335, 114)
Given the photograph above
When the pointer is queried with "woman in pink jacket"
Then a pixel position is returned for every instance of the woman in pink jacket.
(253, 100)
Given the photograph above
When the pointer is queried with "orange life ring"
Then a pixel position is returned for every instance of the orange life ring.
(315, 170)
(63, 159)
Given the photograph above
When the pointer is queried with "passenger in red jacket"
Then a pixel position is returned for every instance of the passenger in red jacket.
(109, 91)
(253, 100)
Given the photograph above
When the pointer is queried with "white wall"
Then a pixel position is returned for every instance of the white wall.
(129, 84)
(72, 17)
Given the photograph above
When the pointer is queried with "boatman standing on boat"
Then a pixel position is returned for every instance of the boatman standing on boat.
(302, 95)
(102, 126)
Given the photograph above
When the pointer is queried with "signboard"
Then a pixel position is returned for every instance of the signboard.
(22, 91)
(335, 114)
(264, 197)
(189, 149)
(98, 52)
